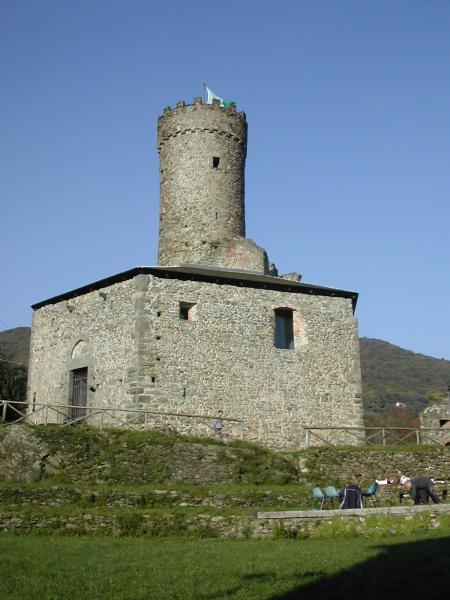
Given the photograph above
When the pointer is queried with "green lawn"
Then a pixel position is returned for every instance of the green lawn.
(169, 569)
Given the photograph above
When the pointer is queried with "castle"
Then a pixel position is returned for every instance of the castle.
(213, 326)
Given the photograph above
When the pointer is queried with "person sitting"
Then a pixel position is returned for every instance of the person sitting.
(422, 488)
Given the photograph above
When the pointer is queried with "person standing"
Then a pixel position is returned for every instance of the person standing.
(422, 488)
(217, 425)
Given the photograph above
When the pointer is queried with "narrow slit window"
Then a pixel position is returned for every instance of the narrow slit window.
(284, 328)
(216, 161)
(187, 311)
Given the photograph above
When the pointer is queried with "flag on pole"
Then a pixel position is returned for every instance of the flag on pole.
(210, 96)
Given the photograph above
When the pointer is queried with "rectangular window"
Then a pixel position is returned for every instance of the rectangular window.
(216, 161)
(284, 328)
(187, 311)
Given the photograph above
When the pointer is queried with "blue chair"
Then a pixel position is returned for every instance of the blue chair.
(371, 492)
(331, 494)
(318, 496)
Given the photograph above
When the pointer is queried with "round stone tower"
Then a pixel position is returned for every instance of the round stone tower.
(202, 150)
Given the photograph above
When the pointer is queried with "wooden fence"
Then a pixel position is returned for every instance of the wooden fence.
(375, 436)
(194, 424)
(39, 413)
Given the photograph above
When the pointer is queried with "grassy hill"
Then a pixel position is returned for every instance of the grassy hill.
(390, 374)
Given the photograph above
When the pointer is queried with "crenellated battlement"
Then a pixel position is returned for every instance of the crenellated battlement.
(198, 104)
(199, 117)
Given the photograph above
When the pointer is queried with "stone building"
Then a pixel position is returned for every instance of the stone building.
(212, 327)
(436, 419)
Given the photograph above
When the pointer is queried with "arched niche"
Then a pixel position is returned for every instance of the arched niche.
(81, 348)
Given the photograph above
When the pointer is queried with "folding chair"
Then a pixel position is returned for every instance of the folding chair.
(318, 496)
(331, 494)
(370, 494)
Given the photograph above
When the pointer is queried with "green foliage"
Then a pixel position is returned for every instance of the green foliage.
(261, 466)
(391, 374)
(13, 381)
(125, 456)
(130, 523)
(280, 532)
(15, 344)
(436, 397)
(14, 350)
(139, 457)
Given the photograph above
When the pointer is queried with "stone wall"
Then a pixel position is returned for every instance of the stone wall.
(95, 330)
(340, 466)
(141, 354)
(225, 358)
(438, 417)
(321, 524)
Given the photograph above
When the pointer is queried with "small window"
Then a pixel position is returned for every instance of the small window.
(187, 311)
(284, 328)
(216, 161)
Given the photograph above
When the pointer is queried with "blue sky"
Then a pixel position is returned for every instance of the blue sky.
(347, 178)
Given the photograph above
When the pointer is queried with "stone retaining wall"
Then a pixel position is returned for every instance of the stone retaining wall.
(365, 522)
(59, 496)
(340, 466)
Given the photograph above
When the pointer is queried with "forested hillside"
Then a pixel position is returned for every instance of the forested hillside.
(15, 344)
(390, 374)
(14, 354)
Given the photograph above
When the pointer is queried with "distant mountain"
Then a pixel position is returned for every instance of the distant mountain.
(15, 344)
(390, 374)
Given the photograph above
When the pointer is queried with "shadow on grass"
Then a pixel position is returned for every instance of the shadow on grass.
(413, 570)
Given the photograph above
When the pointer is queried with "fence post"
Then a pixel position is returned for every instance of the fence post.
(145, 419)
(418, 437)
(46, 415)
(101, 418)
(242, 430)
(4, 409)
(307, 438)
(383, 436)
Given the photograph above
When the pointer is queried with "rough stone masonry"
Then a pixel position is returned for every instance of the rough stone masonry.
(212, 327)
